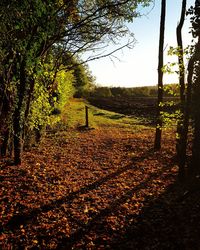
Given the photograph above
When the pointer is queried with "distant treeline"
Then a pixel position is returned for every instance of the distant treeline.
(170, 90)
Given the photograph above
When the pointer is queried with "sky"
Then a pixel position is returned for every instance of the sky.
(138, 66)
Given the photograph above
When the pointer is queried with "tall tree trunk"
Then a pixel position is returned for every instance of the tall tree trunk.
(180, 50)
(5, 117)
(195, 166)
(27, 107)
(17, 118)
(181, 129)
(186, 118)
(159, 122)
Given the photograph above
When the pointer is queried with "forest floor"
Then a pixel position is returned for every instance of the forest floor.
(98, 188)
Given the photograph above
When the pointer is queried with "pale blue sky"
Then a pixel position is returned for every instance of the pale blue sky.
(138, 66)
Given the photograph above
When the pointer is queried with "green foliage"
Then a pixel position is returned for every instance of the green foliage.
(141, 91)
(65, 88)
(83, 80)
(102, 92)
(45, 101)
(170, 119)
(117, 91)
(175, 67)
(173, 117)
(40, 108)
(170, 90)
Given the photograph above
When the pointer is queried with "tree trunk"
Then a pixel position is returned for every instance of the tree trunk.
(180, 54)
(195, 162)
(195, 166)
(181, 130)
(27, 107)
(159, 123)
(17, 136)
(5, 117)
(4, 146)
(186, 118)
(17, 119)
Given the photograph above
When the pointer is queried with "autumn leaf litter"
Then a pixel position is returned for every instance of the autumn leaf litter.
(83, 190)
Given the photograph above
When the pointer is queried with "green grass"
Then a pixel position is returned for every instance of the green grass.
(74, 116)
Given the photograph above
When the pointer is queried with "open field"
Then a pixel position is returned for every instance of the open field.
(141, 107)
(98, 188)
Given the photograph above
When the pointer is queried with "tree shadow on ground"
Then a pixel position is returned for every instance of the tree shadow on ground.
(172, 221)
(21, 219)
(97, 222)
(147, 230)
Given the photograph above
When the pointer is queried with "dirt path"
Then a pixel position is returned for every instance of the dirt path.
(85, 190)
